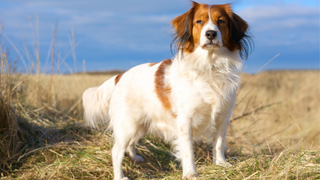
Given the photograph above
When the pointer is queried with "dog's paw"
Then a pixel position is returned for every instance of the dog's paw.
(138, 159)
(125, 178)
(190, 177)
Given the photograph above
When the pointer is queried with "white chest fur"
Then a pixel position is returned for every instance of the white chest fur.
(203, 85)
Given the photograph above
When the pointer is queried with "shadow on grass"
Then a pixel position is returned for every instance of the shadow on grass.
(33, 138)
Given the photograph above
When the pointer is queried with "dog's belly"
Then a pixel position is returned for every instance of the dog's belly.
(162, 124)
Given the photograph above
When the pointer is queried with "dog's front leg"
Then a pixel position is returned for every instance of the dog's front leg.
(186, 148)
(219, 142)
(219, 136)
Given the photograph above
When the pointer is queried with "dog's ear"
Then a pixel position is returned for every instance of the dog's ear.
(240, 36)
(183, 29)
(239, 26)
(183, 21)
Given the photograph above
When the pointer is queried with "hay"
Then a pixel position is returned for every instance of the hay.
(13, 139)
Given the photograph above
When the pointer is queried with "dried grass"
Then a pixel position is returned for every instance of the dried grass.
(12, 137)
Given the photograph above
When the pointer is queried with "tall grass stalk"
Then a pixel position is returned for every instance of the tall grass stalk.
(12, 138)
(52, 59)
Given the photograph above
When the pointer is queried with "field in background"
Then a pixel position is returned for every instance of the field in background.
(274, 131)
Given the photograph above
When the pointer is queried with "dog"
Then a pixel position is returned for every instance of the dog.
(184, 99)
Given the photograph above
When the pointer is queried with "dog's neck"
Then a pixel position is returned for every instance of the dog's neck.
(209, 62)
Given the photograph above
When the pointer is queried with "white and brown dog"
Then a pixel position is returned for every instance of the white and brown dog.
(189, 98)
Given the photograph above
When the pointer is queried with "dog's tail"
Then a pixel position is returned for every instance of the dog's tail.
(96, 102)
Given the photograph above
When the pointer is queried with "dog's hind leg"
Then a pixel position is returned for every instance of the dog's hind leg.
(131, 151)
(124, 130)
(118, 151)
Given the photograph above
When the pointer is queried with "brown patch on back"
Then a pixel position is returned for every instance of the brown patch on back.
(117, 79)
(163, 90)
(152, 64)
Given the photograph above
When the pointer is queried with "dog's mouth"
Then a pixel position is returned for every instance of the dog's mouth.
(211, 45)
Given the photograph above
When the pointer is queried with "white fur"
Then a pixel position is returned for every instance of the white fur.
(203, 91)
(96, 101)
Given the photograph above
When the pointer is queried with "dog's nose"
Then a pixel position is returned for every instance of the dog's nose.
(211, 34)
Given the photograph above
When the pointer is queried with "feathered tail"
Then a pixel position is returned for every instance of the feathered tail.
(96, 103)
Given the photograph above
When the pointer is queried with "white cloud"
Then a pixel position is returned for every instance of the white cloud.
(260, 13)
(283, 25)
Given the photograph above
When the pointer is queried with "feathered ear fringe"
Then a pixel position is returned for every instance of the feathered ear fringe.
(183, 30)
(241, 36)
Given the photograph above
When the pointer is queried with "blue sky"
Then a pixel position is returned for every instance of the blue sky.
(124, 33)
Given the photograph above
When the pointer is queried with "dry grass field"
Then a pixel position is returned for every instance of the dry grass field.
(274, 131)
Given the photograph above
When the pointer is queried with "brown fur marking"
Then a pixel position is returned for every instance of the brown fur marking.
(117, 79)
(163, 90)
(152, 64)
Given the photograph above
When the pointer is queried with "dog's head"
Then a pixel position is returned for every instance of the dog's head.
(210, 27)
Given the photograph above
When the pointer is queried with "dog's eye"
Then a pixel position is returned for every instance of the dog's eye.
(199, 22)
(221, 21)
